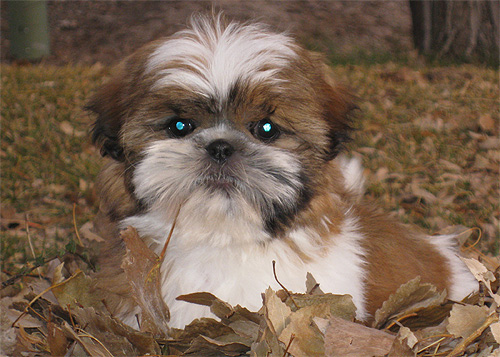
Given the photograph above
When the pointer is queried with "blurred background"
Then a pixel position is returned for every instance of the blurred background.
(347, 31)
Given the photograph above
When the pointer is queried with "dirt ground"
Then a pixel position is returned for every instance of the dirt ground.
(87, 32)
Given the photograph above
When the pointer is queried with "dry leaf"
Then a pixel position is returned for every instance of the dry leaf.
(7, 336)
(277, 313)
(268, 344)
(340, 305)
(306, 339)
(142, 268)
(58, 343)
(400, 349)
(75, 291)
(321, 324)
(271, 344)
(495, 330)
(490, 143)
(29, 343)
(345, 338)
(58, 276)
(205, 346)
(465, 319)
(69, 129)
(118, 338)
(487, 123)
(406, 334)
(9, 314)
(92, 347)
(403, 344)
(87, 232)
(204, 326)
(482, 274)
(201, 298)
(409, 299)
(312, 286)
(219, 308)
(245, 328)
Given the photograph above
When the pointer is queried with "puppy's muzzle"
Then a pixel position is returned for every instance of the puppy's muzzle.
(220, 150)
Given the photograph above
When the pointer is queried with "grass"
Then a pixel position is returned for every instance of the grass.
(47, 162)
(422, 134)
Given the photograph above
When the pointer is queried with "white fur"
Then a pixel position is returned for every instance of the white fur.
(174, 172)
(209, 59)
(463, 282)
(219, 244)
(353, 175)
(239, 273)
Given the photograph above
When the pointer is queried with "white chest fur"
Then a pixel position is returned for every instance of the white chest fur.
(239, 273)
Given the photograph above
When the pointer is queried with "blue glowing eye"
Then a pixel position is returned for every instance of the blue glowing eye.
(266, 130)
(180, 127)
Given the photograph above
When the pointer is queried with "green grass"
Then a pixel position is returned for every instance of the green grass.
(421, 125)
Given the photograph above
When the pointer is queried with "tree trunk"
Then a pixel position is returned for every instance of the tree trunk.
(460, 30)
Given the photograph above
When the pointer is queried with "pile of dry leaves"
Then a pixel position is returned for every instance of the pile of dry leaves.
(52, 312)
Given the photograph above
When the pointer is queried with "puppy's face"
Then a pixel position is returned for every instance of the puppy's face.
(225, 121)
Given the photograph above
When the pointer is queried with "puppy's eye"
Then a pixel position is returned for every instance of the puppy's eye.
(180, 127)
(266, 130)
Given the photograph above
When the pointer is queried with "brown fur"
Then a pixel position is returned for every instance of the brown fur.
(395, 254)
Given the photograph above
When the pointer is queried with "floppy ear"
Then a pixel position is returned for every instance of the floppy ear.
(110, 106)
(338, 106)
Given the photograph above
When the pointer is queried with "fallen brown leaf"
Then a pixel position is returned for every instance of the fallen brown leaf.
(58, 343)
(411, 299)
(306, 340)
(205, 346)
(91, 345)
(115, 336)
(495, 330)
(487, 123)
(465, 319)
(482, 274)
(75, 291)
(277, 313)
(142, 268)
(345, 338)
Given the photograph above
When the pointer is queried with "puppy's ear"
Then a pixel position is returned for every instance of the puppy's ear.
(338, 107)
(110, 105)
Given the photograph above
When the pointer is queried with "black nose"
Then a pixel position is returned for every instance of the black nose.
(220, 150)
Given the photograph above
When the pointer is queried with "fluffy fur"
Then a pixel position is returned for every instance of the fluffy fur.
(256, 177)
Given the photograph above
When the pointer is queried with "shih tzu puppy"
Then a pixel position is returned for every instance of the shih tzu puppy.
(234, 132)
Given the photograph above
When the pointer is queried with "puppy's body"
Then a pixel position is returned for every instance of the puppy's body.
(236, 131)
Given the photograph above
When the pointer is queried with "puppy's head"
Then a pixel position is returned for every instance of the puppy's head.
(225, 120)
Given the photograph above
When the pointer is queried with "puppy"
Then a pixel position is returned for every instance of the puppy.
(234, 132)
